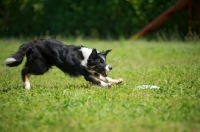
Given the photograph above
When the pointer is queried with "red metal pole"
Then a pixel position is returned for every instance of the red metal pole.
(160, 20)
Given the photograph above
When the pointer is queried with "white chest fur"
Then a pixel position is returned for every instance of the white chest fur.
(86, 53)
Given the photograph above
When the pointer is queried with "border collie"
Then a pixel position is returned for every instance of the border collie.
(74, 60)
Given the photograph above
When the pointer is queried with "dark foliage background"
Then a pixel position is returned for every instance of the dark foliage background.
(89, 18)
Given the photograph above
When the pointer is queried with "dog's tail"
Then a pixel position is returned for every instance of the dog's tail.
(17, 58)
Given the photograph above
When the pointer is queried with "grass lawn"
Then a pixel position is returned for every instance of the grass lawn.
(57, 102)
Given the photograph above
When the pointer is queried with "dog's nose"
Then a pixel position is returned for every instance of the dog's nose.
(110, 67)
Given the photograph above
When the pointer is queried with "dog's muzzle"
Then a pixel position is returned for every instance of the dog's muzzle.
(108, 68)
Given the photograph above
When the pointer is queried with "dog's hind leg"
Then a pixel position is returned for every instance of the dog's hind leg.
(25, 78)
(32, 68)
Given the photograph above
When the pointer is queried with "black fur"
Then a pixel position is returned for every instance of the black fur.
(43, 54)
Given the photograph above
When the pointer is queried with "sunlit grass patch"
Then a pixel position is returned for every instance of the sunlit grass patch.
(57, 102)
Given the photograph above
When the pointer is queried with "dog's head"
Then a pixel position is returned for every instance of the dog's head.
(97, 62)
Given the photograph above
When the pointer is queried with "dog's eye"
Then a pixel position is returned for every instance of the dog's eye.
(101, 61)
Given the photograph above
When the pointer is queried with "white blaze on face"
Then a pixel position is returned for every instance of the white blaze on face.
(86, 54)
(104, 59)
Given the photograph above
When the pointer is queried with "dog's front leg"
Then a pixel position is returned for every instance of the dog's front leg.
(96, 81)
(89, 77)
(114, 81)
(110, 80)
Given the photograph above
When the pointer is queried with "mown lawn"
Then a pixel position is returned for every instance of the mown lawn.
(57, 102)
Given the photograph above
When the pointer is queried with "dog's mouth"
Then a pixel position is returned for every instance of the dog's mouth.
(103, 73)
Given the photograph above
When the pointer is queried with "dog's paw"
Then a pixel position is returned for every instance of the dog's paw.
(110, 85)
(105, 85)
(120, 80)
(27, 85)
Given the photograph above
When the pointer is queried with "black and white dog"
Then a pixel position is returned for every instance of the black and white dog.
(74, 60)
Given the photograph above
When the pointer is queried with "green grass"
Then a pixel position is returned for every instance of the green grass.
(57, 102)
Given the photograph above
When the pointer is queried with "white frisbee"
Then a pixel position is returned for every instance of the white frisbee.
(148, 87)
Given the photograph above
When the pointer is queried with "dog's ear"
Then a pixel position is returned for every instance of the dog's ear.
(94, 54)
(106, 52)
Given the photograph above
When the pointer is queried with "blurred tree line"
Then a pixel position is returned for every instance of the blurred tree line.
(89, 18)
